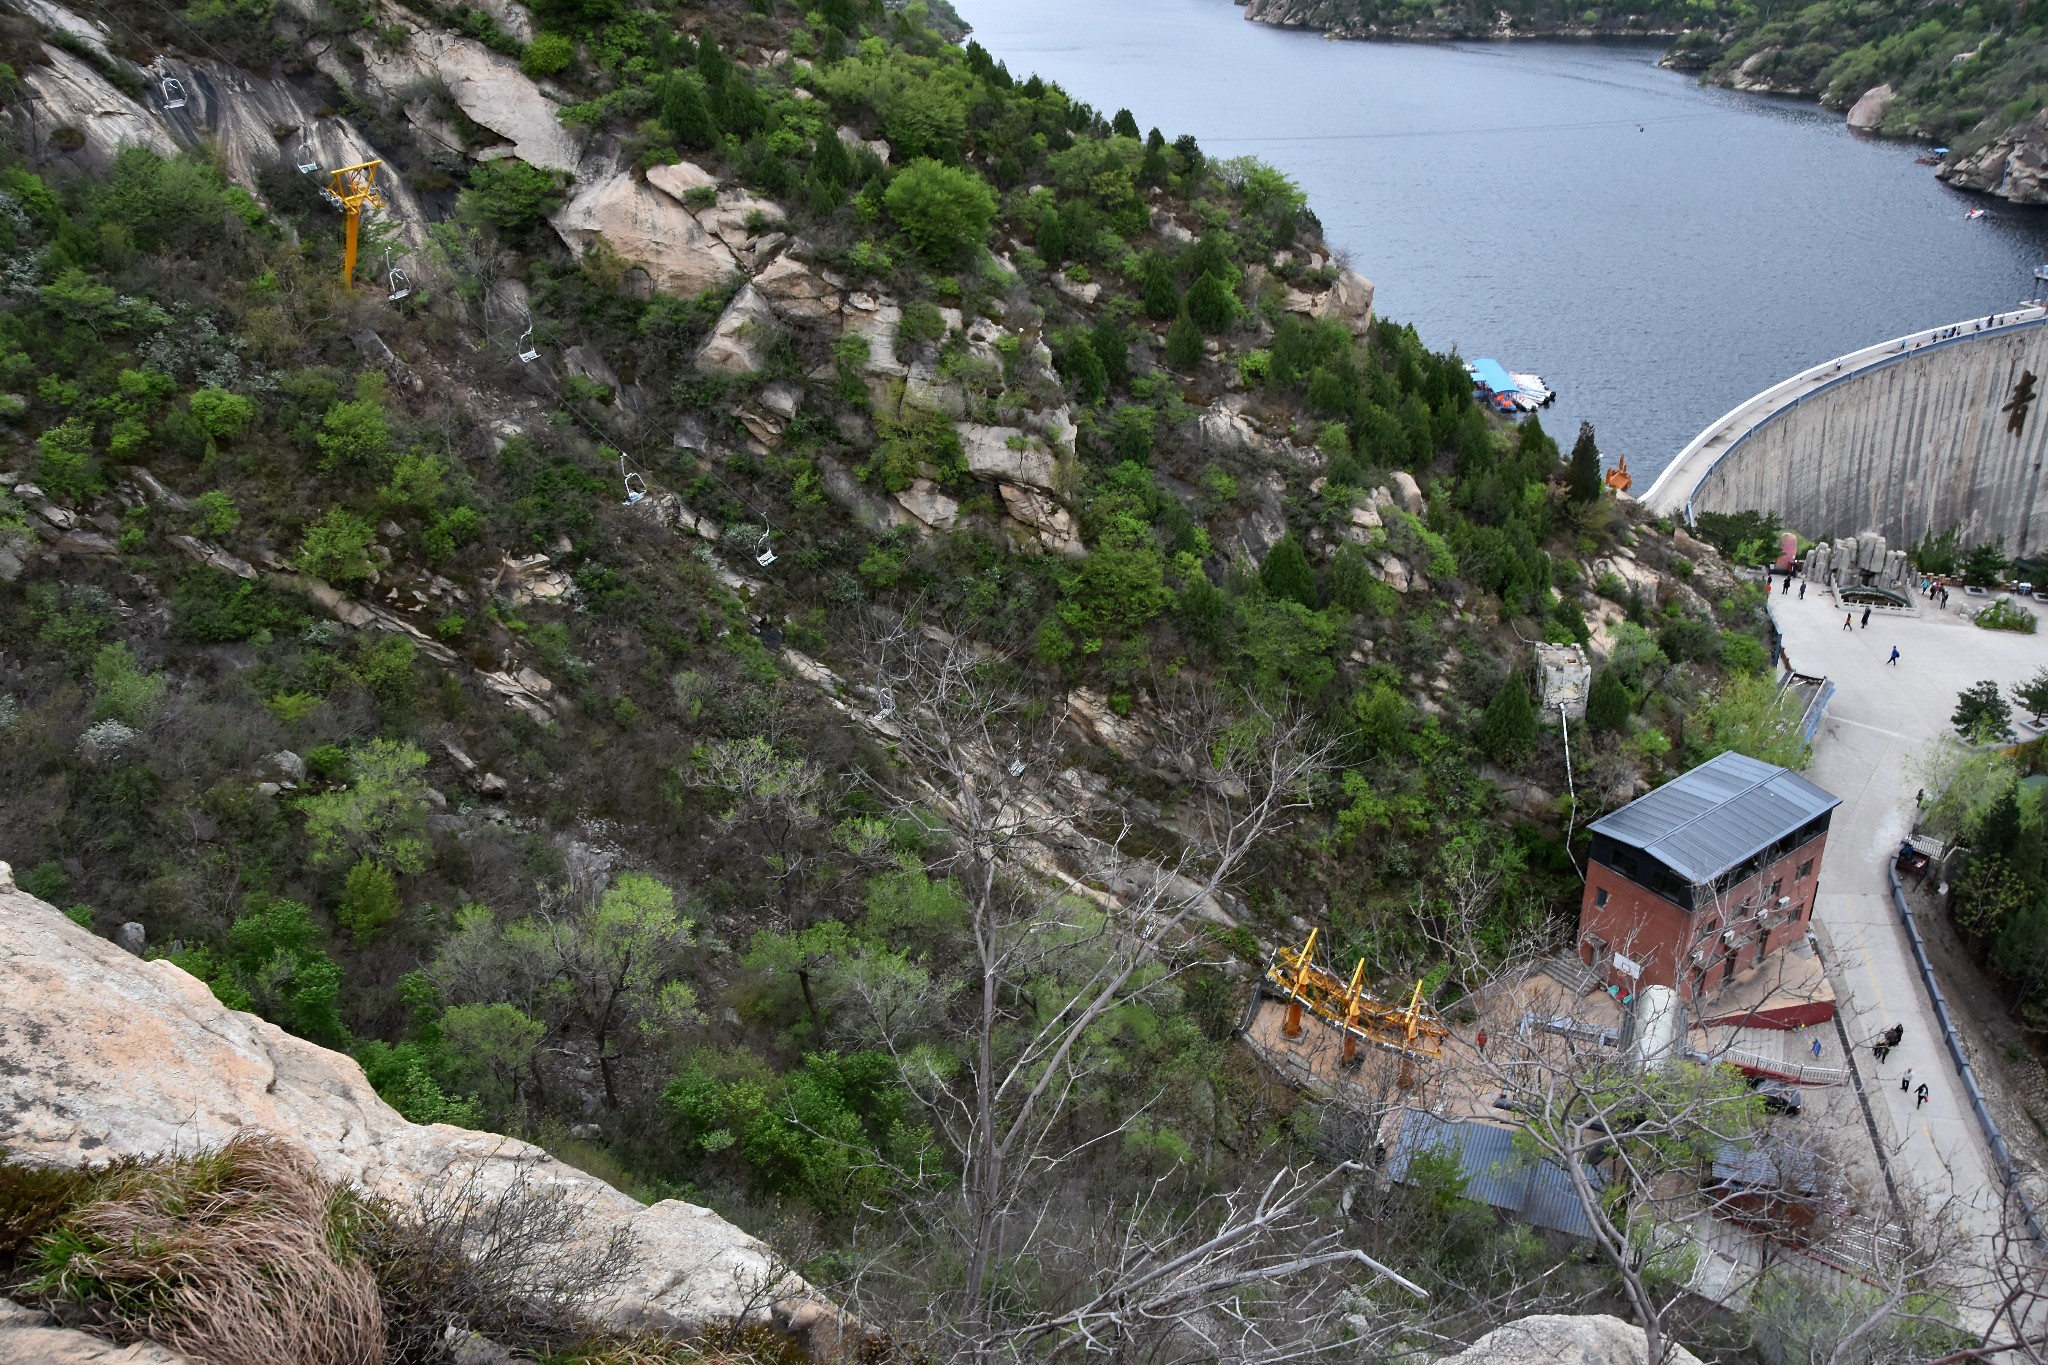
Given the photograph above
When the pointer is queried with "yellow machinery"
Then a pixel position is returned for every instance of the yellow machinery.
(1414, 1031)
(353, 189)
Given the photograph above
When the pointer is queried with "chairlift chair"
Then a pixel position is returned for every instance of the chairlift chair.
(635, 485)
(528, 352)
(767, 555)
(400, 283)
(174, 93)
(306, 164)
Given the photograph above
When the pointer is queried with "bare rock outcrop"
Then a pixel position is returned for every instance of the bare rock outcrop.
(1561, 1339)
(1348, 301)
(73, 95)
(1867, 114)
(107, 1055)
(649, 228)
(1007, 455)
(487, 86)
(28, 1337)
(739, 343)
(2012, 166)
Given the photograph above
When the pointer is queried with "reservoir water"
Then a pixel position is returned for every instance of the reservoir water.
(1656, 249)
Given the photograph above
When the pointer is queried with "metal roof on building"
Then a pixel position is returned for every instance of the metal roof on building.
(1706, 821)
(1534, 1190)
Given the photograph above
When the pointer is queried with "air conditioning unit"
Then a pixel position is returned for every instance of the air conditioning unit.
(1699, 955)
(1784, 901)
(1727, 936)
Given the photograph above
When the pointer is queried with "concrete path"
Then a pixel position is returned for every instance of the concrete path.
(1881, 719)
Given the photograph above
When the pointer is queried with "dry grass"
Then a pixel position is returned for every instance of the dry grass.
(32, 1198)
(228, 1258)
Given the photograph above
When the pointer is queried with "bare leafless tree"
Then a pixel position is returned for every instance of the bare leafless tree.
(1065, 926)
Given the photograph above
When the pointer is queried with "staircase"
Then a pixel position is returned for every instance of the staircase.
(1574, 975)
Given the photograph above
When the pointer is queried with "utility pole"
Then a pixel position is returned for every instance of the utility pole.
(352, 189)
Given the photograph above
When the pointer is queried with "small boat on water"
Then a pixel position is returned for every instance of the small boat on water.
(1508, 394)
(1973, 215)
(1934, 157)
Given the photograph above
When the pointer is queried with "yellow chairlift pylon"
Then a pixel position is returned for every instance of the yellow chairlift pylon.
(353, 189)
(1412, 1032)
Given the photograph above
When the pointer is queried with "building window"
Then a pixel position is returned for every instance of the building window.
(1806, 869)
(1777, 885)
(1600, 896)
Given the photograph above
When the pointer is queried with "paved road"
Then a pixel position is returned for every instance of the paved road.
(1881, 718)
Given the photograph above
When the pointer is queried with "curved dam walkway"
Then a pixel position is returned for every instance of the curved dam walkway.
(1942, 429)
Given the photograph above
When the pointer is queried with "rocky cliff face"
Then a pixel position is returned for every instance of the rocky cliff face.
(2012, 166)
(107, 1055)
(1349, 19)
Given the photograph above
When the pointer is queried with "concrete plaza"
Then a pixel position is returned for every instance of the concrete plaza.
(1868, 750)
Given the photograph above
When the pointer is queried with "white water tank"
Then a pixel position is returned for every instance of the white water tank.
(1659, 1031)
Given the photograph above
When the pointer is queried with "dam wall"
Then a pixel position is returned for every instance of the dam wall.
(1908, 438)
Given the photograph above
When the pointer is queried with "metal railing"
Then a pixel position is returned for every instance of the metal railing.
(1992, 1136)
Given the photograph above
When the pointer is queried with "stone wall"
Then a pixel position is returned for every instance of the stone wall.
(1907, 447)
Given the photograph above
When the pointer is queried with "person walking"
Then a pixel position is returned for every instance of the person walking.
(1816, 1049)
(1881, 1050)
(1919, 1094)
(1849, 621)
(1802, 590)
(1866, 618)
(1894, 660)
(1906, 1081)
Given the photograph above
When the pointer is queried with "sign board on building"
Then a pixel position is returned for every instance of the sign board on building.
(1628, 967)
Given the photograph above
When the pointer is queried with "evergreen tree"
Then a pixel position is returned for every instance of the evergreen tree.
(1123, 125)
(1082, 368)
(1582, 482)
(685, 115)
(740, 111)
(1211, 304)
(1981, 713)
(1051, 240)
(1287, 575)
(2033, 694)
(1203, 608)
(831, 163)
(1111, 342)
(1162, 300)
(1507, 732)
(712, 64)
(1183, 343)
(1608, 704)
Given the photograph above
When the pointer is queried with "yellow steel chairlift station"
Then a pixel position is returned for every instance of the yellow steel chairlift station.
(353, 189)
(1411, 1032)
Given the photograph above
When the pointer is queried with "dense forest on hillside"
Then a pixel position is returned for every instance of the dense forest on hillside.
(1961, 72)
(703, 910)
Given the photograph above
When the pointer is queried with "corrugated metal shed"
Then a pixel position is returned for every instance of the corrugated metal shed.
(1708, 820)
(1535, 1191)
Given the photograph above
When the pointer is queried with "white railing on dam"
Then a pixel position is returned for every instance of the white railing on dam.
(1674, 488)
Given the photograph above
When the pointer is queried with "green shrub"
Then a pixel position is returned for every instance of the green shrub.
(46, 881)
(2004, 615)
(1286, 573)
(215, 514)
(369, 901)
(510, 195)
(337, 548)
(1507, 731)
(219, 608)
(66, 466)
(224, 415)
(549, 54)
(1184, 343)
(355, 435)
(125, 692)
(944, 210)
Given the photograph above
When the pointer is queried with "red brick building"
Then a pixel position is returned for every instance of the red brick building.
(1695, 883)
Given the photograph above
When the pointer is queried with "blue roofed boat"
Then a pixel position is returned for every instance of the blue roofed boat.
(1510, 394)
